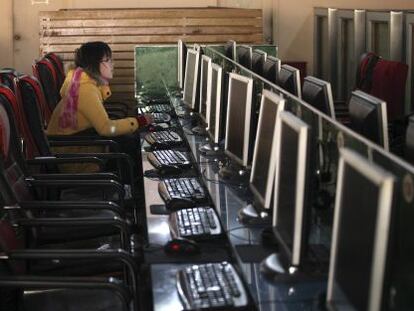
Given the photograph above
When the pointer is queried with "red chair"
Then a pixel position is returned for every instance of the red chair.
(384, 79)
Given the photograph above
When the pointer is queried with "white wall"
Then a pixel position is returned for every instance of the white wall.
(6, 34)
(293, 29)
(26, 24)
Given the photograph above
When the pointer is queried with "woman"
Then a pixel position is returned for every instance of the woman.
(83, 93)
(81, 107)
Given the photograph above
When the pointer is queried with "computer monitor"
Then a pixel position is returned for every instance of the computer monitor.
(264, 156)
(191, 78)
(214, 115)
(289, 80)
(292, 188)
(239, 112)
(361, 235)
(271, 68)
(230, 49)
(244, 56)
(182, 58)
(205, 77)
(258, 60)
(368, 117)
(318, 94)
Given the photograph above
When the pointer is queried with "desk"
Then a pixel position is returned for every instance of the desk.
(228, 199)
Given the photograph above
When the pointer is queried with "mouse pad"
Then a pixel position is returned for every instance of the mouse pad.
(253, 253)
(159, 209)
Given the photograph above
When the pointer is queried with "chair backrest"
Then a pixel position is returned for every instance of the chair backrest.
(23, 131)
(384, 79)
(32, 102)
(36, 87)
(6, 77)
(45, 72)
(12, 176)
(59, 68)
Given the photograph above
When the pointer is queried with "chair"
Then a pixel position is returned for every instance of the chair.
(70, 290)
(37, 151)
(57, 63)
(45, 72)
(384, 79)
(31, 193)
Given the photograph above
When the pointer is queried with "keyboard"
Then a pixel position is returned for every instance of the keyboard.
(164, 139)
(168, 158)
(197, 223)
(212, 286)
(184, 189)
(159, 108)
(161, 117)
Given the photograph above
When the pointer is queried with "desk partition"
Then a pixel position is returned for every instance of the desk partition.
(329, 136)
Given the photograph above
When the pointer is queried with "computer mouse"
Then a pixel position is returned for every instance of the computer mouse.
(181, 246)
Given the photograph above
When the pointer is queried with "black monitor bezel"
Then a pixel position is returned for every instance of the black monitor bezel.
(385, 183)
(265, 202)
(294, 256)
(246, 138)
(219, 119)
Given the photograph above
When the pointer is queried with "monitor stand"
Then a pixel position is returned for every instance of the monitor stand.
(249, 216)
(199, 130)
(235, 173)
(210, 150)
(276, 268)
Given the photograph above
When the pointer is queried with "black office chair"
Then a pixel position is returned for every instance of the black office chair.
(54, 291)
(37, 148)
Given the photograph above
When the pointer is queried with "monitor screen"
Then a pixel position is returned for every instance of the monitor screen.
(230, 49)
(191, 78)
(214, 103)
(289, 80)
(318, 94)
(182, 58)
(238, 118)
(264, 159)
(244, 56)
(205, 76)
(368, 117)
(360, 222)
(271, 68)
(258, 60)
(291, 186)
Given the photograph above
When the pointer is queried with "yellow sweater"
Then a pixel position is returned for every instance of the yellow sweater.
(91, 112)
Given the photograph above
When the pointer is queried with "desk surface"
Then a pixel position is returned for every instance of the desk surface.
(228, 199)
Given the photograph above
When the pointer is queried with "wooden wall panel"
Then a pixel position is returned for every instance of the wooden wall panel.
(63, 31)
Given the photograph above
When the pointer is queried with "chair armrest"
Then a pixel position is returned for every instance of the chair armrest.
(66, 160)
(83, 176)
(116, 222)
(47, 282)
(78, 140)
(100, 184)
(119, 156)
(114, 254)
(69, 205)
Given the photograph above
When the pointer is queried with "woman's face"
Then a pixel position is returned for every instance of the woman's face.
(106, 68)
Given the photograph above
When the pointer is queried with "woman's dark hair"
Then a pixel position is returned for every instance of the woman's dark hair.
(90, 55)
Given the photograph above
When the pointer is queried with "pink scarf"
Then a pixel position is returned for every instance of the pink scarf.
(68, 117)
